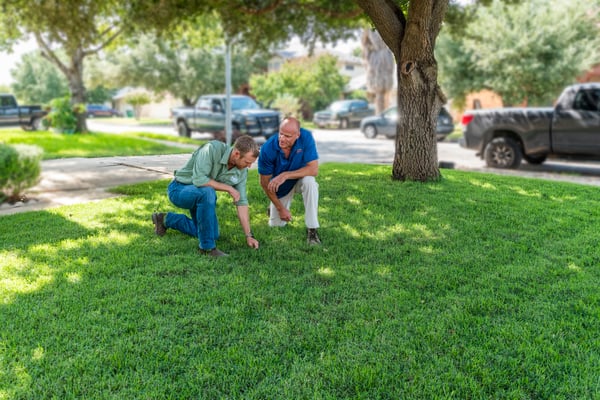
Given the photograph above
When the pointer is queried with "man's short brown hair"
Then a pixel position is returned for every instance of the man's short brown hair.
(245, 144)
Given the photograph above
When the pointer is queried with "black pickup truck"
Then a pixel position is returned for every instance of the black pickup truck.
(503, 137)
(208, 115)
(27, 117)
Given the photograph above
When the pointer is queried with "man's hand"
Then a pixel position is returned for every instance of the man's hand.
(276, 182)
(285, 214)
(234, 194)
(252, 242)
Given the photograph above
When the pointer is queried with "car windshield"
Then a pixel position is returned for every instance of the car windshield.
(391, 112)
(244, 103)
(339, 106)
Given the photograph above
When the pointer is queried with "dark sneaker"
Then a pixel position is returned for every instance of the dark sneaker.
(312, 238)
(213, 253)
(159, 223)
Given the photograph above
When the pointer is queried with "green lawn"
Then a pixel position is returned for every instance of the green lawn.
(476, 287)
(58, 145)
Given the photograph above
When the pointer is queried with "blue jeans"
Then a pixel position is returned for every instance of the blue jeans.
(202, 203)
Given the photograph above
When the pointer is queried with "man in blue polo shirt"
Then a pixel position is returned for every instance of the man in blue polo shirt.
(288, 164)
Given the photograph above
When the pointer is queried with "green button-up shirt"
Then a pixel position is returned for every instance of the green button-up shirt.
(210, 162)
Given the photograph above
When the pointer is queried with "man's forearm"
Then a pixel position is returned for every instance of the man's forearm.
(311, 169)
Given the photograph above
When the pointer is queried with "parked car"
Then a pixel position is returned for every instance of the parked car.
(385, 124)
(343, 113)
(208, 115)
(12, 114)
(100, 110)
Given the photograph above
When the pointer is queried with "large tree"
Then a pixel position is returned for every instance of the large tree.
(526, 52)
(409, 28)
(37, 80)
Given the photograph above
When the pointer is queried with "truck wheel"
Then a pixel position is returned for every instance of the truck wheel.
(183, 130)
(503, 152)
(36, 124)
(370, 131)
(537, 159)
(344, 123)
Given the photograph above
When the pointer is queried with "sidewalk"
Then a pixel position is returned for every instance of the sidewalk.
(79, 180)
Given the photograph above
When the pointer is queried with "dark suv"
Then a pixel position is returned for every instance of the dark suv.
(343, 114)
(100, 110)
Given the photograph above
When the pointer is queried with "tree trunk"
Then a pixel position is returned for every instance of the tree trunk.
(412, 39)
(78, 92)
(416, 145)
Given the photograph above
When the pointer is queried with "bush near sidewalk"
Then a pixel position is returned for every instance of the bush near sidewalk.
(20, 169)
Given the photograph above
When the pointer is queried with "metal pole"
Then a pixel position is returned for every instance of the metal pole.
(228, 133)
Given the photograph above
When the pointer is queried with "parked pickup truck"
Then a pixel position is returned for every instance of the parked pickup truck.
(208, 115)
(27, 117)
(343, 114)
(503, 137)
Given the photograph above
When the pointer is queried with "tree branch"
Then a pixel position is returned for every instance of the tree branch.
(391, 30)
(269, 8)
(49, 54)
(105, 43)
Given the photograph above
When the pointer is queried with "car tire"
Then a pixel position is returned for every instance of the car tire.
(504, 153)
(183, 130)
(343, 123)
(370, 131)
(36, 124)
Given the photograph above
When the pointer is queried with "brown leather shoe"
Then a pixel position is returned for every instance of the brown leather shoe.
(213, 253)
(312, 238)
(159, 223)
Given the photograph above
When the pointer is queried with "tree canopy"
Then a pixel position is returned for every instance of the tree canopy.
(524, 52)
(315, 82)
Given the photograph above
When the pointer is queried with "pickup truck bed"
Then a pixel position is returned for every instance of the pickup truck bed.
(27, 117)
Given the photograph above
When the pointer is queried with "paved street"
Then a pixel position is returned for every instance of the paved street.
(69, 181)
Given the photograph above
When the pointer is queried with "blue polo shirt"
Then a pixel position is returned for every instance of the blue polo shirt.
(272, 161)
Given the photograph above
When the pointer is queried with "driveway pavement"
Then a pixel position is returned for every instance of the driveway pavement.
(79, 180)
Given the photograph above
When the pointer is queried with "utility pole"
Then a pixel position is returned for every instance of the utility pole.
(228, 133)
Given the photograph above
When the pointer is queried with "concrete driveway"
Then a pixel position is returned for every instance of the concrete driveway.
(77, 180)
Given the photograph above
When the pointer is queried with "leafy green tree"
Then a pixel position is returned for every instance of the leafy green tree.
(75, 28)
(37, 80)
(178, 66)
(100, 95)
(138, 99)
(524, 52)
(315, 82)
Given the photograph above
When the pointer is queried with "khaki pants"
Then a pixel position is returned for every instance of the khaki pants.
(309, 188)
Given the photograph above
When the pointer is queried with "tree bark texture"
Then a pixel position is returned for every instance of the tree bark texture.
(411, 38)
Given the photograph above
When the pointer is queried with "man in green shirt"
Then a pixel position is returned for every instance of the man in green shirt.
(212, 167)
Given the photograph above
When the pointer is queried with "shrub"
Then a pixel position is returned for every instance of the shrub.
(288, 105)
(20, 169)
(138, 99)
(63, 115)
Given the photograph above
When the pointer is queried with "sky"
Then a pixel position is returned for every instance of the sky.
(9, 61)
